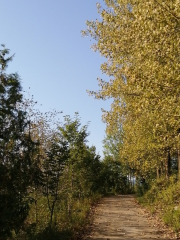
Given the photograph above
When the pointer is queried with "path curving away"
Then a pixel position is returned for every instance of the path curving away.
(120, 217)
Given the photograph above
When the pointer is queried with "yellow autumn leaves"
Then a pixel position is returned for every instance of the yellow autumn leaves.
(140, 40)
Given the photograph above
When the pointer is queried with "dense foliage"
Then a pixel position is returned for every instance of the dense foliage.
(140, 42)
(50, 177)
(17, 152)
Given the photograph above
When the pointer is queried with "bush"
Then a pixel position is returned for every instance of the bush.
(163, 197)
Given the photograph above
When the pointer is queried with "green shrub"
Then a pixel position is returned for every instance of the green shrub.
(164, 197)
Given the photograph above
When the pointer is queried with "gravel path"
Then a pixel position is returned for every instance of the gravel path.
(120, 217)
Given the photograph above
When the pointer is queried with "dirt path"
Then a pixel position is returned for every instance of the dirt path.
(120, 217)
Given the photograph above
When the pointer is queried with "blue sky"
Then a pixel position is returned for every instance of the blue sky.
(53, 59)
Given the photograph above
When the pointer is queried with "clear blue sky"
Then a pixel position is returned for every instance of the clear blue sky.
(53, 59)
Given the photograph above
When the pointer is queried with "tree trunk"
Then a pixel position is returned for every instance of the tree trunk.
(169, 162)
(179, 156)
(157, 172)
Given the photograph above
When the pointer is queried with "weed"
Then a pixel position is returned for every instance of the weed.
(163, 198)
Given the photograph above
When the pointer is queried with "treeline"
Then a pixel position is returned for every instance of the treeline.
(49, 176)
(140, 40)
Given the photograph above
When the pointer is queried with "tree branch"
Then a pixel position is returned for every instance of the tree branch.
(166, 8)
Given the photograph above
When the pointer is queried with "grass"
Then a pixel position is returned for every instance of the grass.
(163, 198)
(65, 226)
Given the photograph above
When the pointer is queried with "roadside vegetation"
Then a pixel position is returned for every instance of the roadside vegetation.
(163, 200)
(50, 178)
(139, 41)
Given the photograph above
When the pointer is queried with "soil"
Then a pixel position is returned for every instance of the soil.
(121, 217)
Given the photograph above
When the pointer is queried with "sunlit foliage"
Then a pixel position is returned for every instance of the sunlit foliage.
(140, 40)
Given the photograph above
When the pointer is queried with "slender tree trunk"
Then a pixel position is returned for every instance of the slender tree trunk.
(52, 213)
(179, 155)
(169, 162)
(162, 169)
(130, 182)
(157, 172)
(166, 169)
(36, 205)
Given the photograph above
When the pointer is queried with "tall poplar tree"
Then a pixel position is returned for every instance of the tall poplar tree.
(140, 40)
